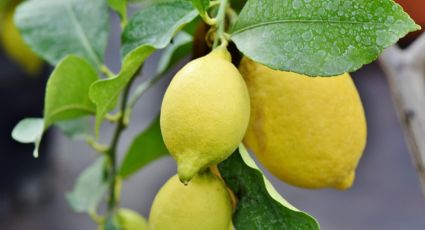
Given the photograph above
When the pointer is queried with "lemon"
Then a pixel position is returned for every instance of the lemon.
(308, 131)
(127, 219)
(131, 220)
(204, 113)
(15, 47)
(203, 204)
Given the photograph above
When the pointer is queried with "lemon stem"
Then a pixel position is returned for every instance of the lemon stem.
(221, 24)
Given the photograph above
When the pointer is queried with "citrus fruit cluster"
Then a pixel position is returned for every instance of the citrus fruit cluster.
(308, 131)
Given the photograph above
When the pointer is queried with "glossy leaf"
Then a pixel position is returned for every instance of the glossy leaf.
(55, 29)
(259, 205)
(67, 91)
(319, 38)
(145, 33)
(145, 148)
(29, 130)
(89, 188)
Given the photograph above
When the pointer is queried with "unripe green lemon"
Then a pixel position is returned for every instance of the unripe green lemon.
(308, 131)
(15, 47)
(202, 204)
(127, 219)
(205, 113)
(131, 220)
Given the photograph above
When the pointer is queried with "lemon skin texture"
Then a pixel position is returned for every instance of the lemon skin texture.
(204, 113)
(202, 204)
(15, 47)
(308, 131)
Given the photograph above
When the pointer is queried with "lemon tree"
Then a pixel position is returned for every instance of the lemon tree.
(291, 100)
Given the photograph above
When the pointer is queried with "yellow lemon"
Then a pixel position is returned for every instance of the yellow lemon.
(15, 47)
(203, 204)
(308, 131)
(205, 113)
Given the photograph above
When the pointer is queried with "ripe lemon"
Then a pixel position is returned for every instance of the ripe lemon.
(205, 113)
(203, 204)
(308, 131)
(15, 47)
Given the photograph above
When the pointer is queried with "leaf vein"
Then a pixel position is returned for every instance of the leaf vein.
(283, 21)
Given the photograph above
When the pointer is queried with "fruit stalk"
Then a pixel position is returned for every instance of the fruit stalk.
(221, 19)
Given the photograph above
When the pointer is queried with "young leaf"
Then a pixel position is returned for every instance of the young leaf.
(89, 188)
(83, 28)
(150, 29)
(319, 38)
(146, 147)
(77, 129)
(259, 205)
(201, 6)
(67, 90)
(29, 130)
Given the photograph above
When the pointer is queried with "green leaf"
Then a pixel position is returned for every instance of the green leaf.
(55, 29)
(146, 28)
(179, 48)
(89, 188)
(237, 5)
(67, 91)
(146, 147)
(77, 129)
(112, 224)
(119, 6)
(259, 205)
(29, 130)
(319, 38)
(201, 6)
(145, 33)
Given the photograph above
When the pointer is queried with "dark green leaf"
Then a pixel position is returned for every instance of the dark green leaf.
(145, 33)
(112, 224)
(89, 189)
(29, 130)
(54, 29)
(146, 147)
(259, 206)
(237, 5)
(77, 129)
(67, 91)
(319, 38)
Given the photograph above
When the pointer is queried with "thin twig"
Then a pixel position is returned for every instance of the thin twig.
(221, 23)
(112, 152)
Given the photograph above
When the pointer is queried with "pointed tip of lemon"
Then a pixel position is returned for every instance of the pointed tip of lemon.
(186, 171)
(347, 182)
